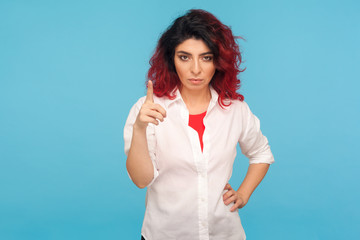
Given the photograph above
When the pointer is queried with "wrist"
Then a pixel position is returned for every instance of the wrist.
(139, 128)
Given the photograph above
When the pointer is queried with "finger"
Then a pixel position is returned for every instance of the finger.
(239, 203)
(154, 114)
(228, 194)
(150, 92)
(146, 112)
(234, 208)
(153, 110)
(227, 187)
(230, 200)
(159, 108)
(148, 119)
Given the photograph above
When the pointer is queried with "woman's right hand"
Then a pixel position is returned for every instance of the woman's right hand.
(150, 112)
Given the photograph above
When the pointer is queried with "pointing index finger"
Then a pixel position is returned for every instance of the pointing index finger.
(150, 92)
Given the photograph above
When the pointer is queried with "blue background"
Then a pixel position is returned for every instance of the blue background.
(71, 70)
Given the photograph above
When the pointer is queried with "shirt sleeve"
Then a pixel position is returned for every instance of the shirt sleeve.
(150, 136)
(254, 145)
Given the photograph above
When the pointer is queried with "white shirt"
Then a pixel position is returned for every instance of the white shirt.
(184, 200)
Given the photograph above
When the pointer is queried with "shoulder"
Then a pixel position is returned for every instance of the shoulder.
(239, 110)
(237, 105)
(134, 110)
(140, 101)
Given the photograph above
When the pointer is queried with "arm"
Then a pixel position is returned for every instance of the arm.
(138, 163)
(254, 175)
(254, 145)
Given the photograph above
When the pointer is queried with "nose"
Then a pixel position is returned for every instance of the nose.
(195, 67)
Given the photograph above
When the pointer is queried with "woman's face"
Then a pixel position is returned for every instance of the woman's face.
(194, 64)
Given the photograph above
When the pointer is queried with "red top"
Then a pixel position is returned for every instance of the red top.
(196, 122)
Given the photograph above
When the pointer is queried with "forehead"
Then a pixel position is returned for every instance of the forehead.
(193, 46)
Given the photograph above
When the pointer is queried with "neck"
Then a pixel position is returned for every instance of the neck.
(196, 101)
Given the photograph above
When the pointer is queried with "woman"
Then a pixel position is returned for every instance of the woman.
(181, 137)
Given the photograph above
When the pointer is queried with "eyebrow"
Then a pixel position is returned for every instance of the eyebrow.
(201, 54)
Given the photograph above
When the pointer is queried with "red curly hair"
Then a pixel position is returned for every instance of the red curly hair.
(198, 24)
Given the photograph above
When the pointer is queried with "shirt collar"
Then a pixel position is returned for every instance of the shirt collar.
(213, 100)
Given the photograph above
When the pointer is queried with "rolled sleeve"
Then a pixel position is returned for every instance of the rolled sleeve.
(150, 136)
(254, 145)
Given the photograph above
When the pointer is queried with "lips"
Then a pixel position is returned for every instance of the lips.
(195, 80)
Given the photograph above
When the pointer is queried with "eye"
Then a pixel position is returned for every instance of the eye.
(208, 58)
(184, 57)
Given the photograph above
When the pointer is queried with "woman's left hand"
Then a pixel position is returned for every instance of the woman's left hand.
(233, 196)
